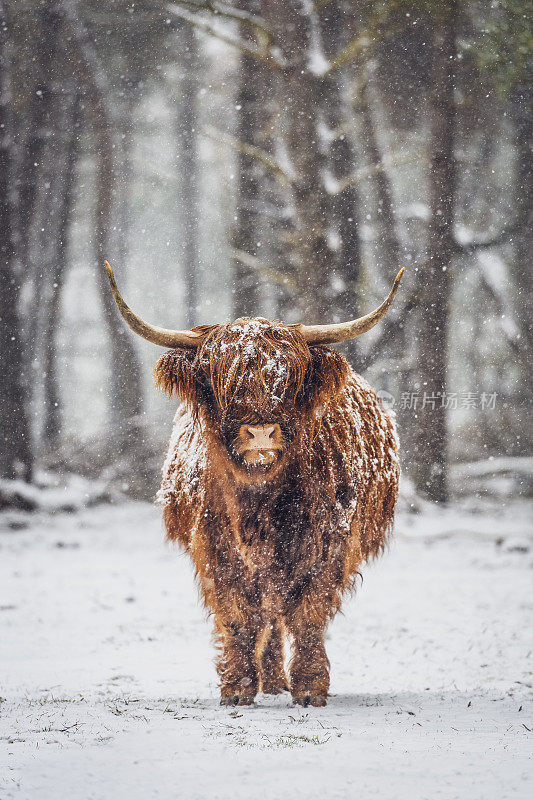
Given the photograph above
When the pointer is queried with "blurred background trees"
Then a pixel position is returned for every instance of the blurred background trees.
(264, 158)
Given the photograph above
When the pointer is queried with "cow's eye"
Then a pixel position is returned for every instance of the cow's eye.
(205, 383)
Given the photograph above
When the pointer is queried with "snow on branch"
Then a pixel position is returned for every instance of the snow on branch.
(466, 243)
(250, 150)
(493, 279)
(229, 12)
(262, 54)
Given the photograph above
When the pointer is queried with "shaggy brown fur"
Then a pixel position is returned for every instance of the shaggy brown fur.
(275, 547)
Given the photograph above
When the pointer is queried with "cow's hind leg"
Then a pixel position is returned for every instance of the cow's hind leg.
(309, 670)
(236, 662)
(269, 655)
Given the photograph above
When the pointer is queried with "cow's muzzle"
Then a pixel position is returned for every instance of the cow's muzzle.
(259, 446)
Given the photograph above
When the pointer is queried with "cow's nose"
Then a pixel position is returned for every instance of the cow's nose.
(262, 435)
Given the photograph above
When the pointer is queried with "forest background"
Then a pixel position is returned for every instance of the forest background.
(275, 159)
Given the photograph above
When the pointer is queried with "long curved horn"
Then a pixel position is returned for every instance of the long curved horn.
(153, 334)
(342, 331)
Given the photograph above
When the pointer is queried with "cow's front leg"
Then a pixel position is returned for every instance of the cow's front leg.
(236, 662)
(269, 652)
(309, 670)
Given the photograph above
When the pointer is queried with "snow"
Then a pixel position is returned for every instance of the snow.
(415, 211)
(317, 63)
(496, 274)
(185, 442)
(502, 464)
(52, 492)
(109, 689)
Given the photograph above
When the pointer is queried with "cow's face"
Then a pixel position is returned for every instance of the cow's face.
(259, 384)
(256, 372)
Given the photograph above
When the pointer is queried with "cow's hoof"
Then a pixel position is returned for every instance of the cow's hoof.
(231, 700)
(315, 700)
(237, 700)
(246, 700)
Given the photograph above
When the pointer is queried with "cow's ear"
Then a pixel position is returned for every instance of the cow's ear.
(178, 373)
(327, 374)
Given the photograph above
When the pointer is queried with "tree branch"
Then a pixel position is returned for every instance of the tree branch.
(319, 5)
(264, 54)
(229, 12)
(352, 50)
(250, 150)
(363, 42)
(275, 275)
(470, 247)
(372, 169)
(514, 342)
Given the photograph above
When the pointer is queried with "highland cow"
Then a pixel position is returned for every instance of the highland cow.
(280, 481)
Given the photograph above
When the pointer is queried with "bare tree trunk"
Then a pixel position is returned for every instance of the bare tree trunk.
(300, 93)
(63, 189)
(123, 204)
(341, 162)
(389, 250)
(186, 131)
(126, 392)
(389, 243)
(280, 225)
(430, 468)
(48, 22)
(32, 136)
(522, 259)
(251, 116)
(522, 114)
(16, 452)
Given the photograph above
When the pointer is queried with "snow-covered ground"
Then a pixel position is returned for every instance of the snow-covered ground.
(109, 691)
